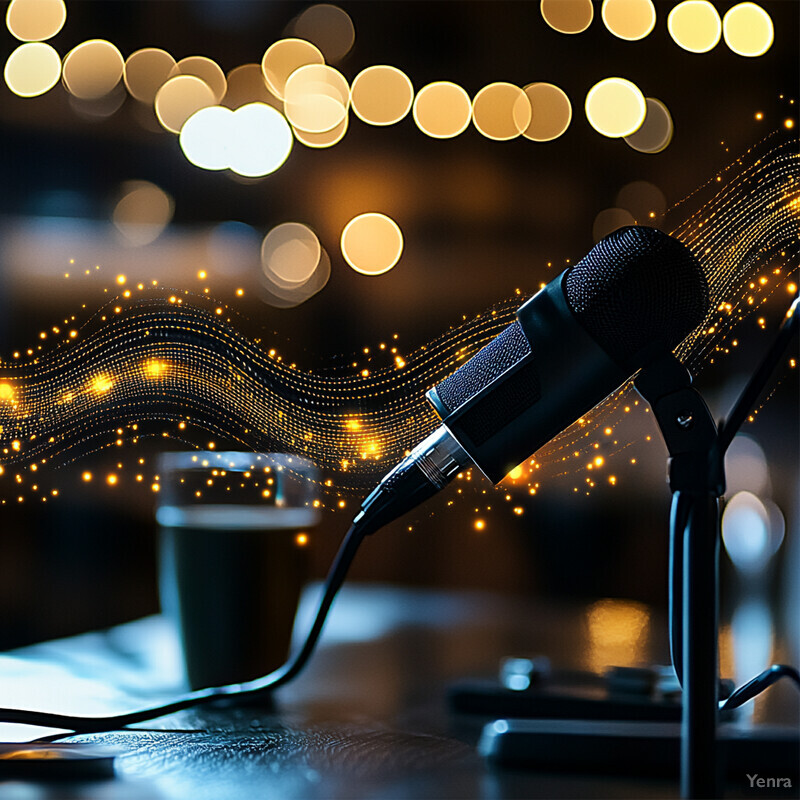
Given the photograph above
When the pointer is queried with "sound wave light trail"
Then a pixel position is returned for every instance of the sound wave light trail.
(153, 365)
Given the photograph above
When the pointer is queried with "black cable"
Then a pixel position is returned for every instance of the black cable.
(285, 673)
(764, 680)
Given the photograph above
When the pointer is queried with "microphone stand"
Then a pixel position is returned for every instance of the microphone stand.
(696, 475)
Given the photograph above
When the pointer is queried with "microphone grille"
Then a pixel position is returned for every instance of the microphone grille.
(637, 292)
(487, 364)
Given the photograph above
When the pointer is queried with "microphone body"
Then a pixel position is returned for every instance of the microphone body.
(552, 374)
(636, 295)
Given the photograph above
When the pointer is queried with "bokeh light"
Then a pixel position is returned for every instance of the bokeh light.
(372, 243)
(328, 27)
(290, 253)
(324, 139)
(644, 200)
(316, 98)
(246, 84)
(551, 112)
(206, 136)
(32, 69)
(262, 140)
(629, 19)
(205, 69)
(99, 107)
(695, 25)
(501, 111)
(381, 95)
(748, 30)
(92, 69)
(285, 56)
(609, 220)
(146, 71)
(657, 129)
(35, 20)
(179, 98)
(747, 532)
(568, 16)
(442, 110)
(289, 296)
(615, 107)
(746, 467)
(142, 213)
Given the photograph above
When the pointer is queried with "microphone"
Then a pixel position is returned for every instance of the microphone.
(636, 295)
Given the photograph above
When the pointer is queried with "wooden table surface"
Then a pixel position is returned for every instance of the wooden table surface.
(367, 719)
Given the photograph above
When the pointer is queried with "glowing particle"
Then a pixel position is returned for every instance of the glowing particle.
(121, 279)
(301, 540)
(111, 479)
(479, 524)
(788, 123)
(6, 393)
(87, 476)
(154, 368)
(102, 384)
(515, 473)
(599, 461)
(155, 488)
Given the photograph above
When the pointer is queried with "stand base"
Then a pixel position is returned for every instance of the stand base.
(639, 748)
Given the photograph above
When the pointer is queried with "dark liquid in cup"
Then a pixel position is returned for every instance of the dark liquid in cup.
(231, 578)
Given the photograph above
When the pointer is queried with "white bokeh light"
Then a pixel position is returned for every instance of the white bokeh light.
(261, 140)
(206, 137)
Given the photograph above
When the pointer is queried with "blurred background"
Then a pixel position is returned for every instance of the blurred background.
(491, 201)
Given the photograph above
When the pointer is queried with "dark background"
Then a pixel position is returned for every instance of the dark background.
(480, 219)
